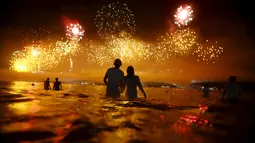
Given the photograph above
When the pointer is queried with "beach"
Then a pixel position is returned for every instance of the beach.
(82, 113)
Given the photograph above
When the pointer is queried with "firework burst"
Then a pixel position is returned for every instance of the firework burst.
(183, 15)
(179, 42)
(208, 51)
(74, 32)
(35, 59)
(125, 48)
(113, 19)
(183, 40)
(128, 49)
(68, 49)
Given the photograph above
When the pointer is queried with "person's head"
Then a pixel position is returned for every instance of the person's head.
(56, 79)
(130, 71)
(206, 86)
(232, 79)
(117, 63)
(48, 79)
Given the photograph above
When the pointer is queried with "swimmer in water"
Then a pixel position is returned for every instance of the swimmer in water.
(47, 84)
(57, 85)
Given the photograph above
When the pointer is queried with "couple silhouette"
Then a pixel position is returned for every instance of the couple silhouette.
(116, 82)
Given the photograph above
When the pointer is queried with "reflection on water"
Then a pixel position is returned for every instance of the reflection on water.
(20, 126)
(81, 113)
(20, 87)
(25, 108)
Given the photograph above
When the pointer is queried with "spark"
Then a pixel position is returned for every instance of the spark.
(179, 42)
(208, 51)
(35, 59)
(36, 36)
(113, 19)
(74, 32)
(126, 48)
(184, 15)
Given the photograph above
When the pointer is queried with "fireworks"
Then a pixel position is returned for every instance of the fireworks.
(183, 15)
(44, 56)
(68, 49)
(35, 58)
(125, 48)
(99, 54)
(37, 53)
(19, 65)
(113, 19)
(208, 51)
(36, 36)
(115, 24)
(128, 49)
(74, 32)
(183, 40)
(179, 42)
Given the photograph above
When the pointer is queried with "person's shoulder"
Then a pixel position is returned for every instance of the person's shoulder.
(110, 69)
(121, 72)
(136, 77)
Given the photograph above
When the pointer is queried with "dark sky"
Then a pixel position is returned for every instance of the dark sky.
(213, 18)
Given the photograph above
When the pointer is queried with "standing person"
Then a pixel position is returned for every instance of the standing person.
(114, 80)
(132, 81)
(47, 84)
(57, 85)
(232, 89)
(206, 91)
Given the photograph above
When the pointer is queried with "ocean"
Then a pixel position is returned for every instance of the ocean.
(82, 113)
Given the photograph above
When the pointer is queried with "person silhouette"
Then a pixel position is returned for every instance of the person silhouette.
(206, 91)
(47, 84)
(114, 80)
(57, 85)
(132, 81)
(233, 90)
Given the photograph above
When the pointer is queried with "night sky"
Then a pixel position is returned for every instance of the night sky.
(214, 19)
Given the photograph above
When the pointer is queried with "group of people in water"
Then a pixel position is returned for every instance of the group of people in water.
(116, 83)
(232, 90)
(56, 86)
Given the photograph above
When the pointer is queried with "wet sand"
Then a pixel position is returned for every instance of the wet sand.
(81, 113)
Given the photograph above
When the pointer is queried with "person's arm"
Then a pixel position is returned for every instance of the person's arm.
(105, 78)
(49, 86)
(122, 83)
(60, 85)
(53, 86)
(141, 87)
